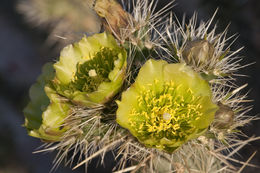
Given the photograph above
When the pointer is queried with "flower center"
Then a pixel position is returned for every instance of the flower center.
(165, 111)
(93, 72)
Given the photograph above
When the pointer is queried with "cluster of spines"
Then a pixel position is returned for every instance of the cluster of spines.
(60, 18)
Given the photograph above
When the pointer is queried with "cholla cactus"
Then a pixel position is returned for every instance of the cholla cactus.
(157, 93)
(61, 18)
(205, 51)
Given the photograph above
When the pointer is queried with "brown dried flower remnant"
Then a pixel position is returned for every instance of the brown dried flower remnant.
(114, 16)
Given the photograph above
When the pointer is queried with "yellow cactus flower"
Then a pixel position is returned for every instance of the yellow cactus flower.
(91, 71)
(167, 105)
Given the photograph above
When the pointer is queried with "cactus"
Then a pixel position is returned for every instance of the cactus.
(160, 94)
(60, 18)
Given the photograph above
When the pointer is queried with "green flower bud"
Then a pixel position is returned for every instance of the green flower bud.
(45, 114)
(198, 52)
(53, 118)
(224, 116)
(167, 105)
(91, 71)
(38, 99)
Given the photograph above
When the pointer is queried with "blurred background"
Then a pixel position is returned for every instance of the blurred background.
(23, 51)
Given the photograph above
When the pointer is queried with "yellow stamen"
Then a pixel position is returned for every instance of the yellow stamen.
(165, 112)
